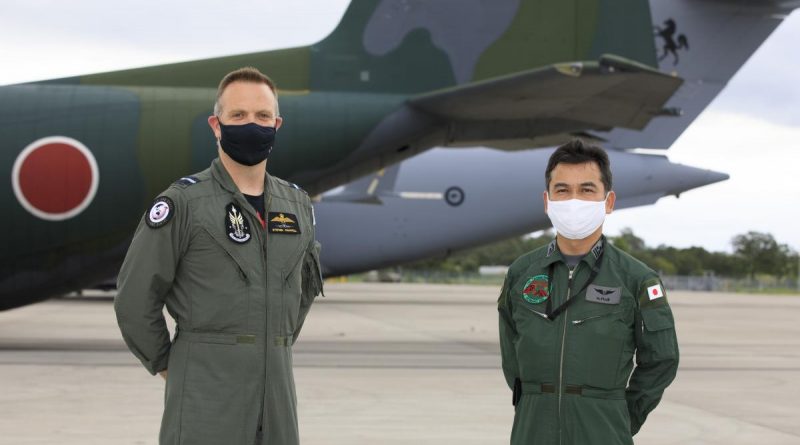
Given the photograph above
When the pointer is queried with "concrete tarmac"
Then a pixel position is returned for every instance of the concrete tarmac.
(401, 363)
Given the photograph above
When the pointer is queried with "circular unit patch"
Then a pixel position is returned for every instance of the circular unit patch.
(536, 290)
(161, 212)
(55, 178)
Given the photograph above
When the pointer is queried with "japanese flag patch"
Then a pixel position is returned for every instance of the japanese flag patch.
(655, 291)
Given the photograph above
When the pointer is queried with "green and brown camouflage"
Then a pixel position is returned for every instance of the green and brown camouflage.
(395, 78)
(411, 47)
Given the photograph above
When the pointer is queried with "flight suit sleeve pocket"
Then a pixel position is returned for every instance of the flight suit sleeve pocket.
(312, 274)
(657, 319)
(312, 286)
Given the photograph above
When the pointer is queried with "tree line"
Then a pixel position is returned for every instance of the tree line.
(754, 253)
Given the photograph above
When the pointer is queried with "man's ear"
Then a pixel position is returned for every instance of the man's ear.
(278, 122)
(213, 122)
(544, 198)
(610, 200)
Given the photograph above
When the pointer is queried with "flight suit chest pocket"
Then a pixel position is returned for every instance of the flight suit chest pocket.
(288, 236)
(219, 283)
(601, 333)
(538, 339)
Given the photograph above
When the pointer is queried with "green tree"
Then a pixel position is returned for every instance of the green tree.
(755, 253)
(499, 253)
(761, 253)
(629, 242)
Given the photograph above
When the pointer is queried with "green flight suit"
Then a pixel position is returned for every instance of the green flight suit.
(239, 293)
(570, 372)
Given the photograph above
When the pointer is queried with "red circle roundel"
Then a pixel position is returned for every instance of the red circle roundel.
(55, 178)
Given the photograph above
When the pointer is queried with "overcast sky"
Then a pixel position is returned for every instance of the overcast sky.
(751, 131)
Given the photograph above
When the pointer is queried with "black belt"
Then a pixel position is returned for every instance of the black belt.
(569, 389)
(576, 390)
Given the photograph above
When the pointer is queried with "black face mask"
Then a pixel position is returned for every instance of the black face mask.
(247, 144)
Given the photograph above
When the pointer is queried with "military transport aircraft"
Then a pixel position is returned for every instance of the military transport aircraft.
(446, 199)
(430, 207)
(87, 154)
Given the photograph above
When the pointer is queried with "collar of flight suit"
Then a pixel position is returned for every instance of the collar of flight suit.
(224, 179)
(554, 254)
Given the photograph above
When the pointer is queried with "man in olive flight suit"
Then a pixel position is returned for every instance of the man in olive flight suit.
(231, 253)
(575, 312)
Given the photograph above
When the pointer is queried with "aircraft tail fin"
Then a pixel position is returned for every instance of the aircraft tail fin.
(705, 42)
(416, 46)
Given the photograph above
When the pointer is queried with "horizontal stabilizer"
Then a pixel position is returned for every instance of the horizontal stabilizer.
(368, 189)
(554, 100)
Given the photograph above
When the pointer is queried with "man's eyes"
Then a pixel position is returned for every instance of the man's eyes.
(583, 190)
(263, 116)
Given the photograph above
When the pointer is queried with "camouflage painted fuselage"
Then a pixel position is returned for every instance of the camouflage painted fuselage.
(348, 103)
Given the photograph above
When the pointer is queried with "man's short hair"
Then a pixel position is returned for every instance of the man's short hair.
(578, 152)
(245, 74)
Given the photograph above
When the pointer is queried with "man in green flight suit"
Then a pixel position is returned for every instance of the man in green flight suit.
(231, 253)
(575, 312)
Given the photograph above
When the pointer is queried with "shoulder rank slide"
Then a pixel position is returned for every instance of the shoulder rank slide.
(187, 181)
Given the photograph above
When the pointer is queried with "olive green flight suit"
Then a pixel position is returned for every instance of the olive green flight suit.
(570, 372)
(239, 294)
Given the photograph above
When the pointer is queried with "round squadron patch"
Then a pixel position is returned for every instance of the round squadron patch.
(536, 290)
(236, 224)
(160, 213)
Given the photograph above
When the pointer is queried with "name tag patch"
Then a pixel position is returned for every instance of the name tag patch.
(286, 223)
(605, 295)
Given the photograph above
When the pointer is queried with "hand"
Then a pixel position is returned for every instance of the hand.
(163, 374)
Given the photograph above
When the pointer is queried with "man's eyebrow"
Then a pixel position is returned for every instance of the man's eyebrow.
(560, 184)
(588, 184)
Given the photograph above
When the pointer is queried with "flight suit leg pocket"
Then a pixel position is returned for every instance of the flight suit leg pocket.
(173, 393)
(219, 383)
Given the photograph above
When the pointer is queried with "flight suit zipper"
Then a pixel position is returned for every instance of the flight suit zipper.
(262, 238)
(541, 314)
(264, 233)
(594, 317)
(561, 364)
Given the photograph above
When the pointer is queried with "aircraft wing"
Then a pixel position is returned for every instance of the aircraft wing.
(547, 104)
(530, 109)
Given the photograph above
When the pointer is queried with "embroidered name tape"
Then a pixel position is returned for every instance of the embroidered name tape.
(605, 295)
(286, 223)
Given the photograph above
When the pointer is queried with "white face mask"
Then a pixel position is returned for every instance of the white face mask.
(575, 218)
